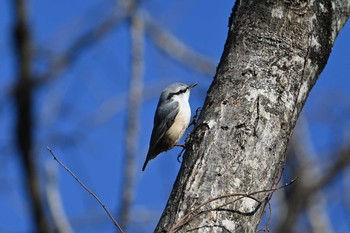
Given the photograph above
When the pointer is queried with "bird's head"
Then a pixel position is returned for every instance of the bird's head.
(177, 91)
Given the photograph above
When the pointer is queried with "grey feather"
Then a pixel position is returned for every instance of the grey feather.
(163, 119)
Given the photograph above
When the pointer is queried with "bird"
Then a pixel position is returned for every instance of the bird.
(171, 119)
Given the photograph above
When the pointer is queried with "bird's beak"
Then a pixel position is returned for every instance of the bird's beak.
(192, 86)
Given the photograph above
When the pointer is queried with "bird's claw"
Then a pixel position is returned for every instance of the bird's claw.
(180, 154)
(195, 117)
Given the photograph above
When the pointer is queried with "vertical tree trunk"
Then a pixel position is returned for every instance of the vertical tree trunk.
(24, 116)
(274, 53)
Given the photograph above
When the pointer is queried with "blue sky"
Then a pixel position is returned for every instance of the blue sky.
(70, 117)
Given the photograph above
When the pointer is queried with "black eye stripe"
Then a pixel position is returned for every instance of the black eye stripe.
(181, 91)
(177, 93)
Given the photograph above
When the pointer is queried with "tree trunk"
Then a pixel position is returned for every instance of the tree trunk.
(24, 127)
(274, 53)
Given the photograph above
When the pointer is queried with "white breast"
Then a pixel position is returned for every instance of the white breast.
(181, 121)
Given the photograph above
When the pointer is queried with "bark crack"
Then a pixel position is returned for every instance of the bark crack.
(257, 118)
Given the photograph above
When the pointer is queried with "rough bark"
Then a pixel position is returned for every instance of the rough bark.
(274, 53)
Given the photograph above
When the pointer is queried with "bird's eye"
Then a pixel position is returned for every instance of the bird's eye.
(181, 91)
(177, 93)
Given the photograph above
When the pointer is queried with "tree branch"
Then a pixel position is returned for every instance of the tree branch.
(176, 49)
(87, 189)
(132, 125)
(85, 41)
(54, 201)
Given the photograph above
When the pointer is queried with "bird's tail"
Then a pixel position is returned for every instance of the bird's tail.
(145, 164)
(150, 155)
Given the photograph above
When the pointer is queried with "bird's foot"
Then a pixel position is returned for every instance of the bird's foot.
(181, 153)
(195, 117)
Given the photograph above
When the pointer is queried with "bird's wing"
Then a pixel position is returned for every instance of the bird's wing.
(163, 120)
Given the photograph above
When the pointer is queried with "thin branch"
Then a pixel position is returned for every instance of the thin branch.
(86, 188)
(189, 216)
(266, 228)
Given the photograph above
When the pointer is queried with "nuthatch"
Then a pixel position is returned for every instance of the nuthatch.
(172, 118)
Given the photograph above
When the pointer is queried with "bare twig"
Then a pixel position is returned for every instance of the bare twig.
(189, 216)
(266, 228)
(86, 188)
